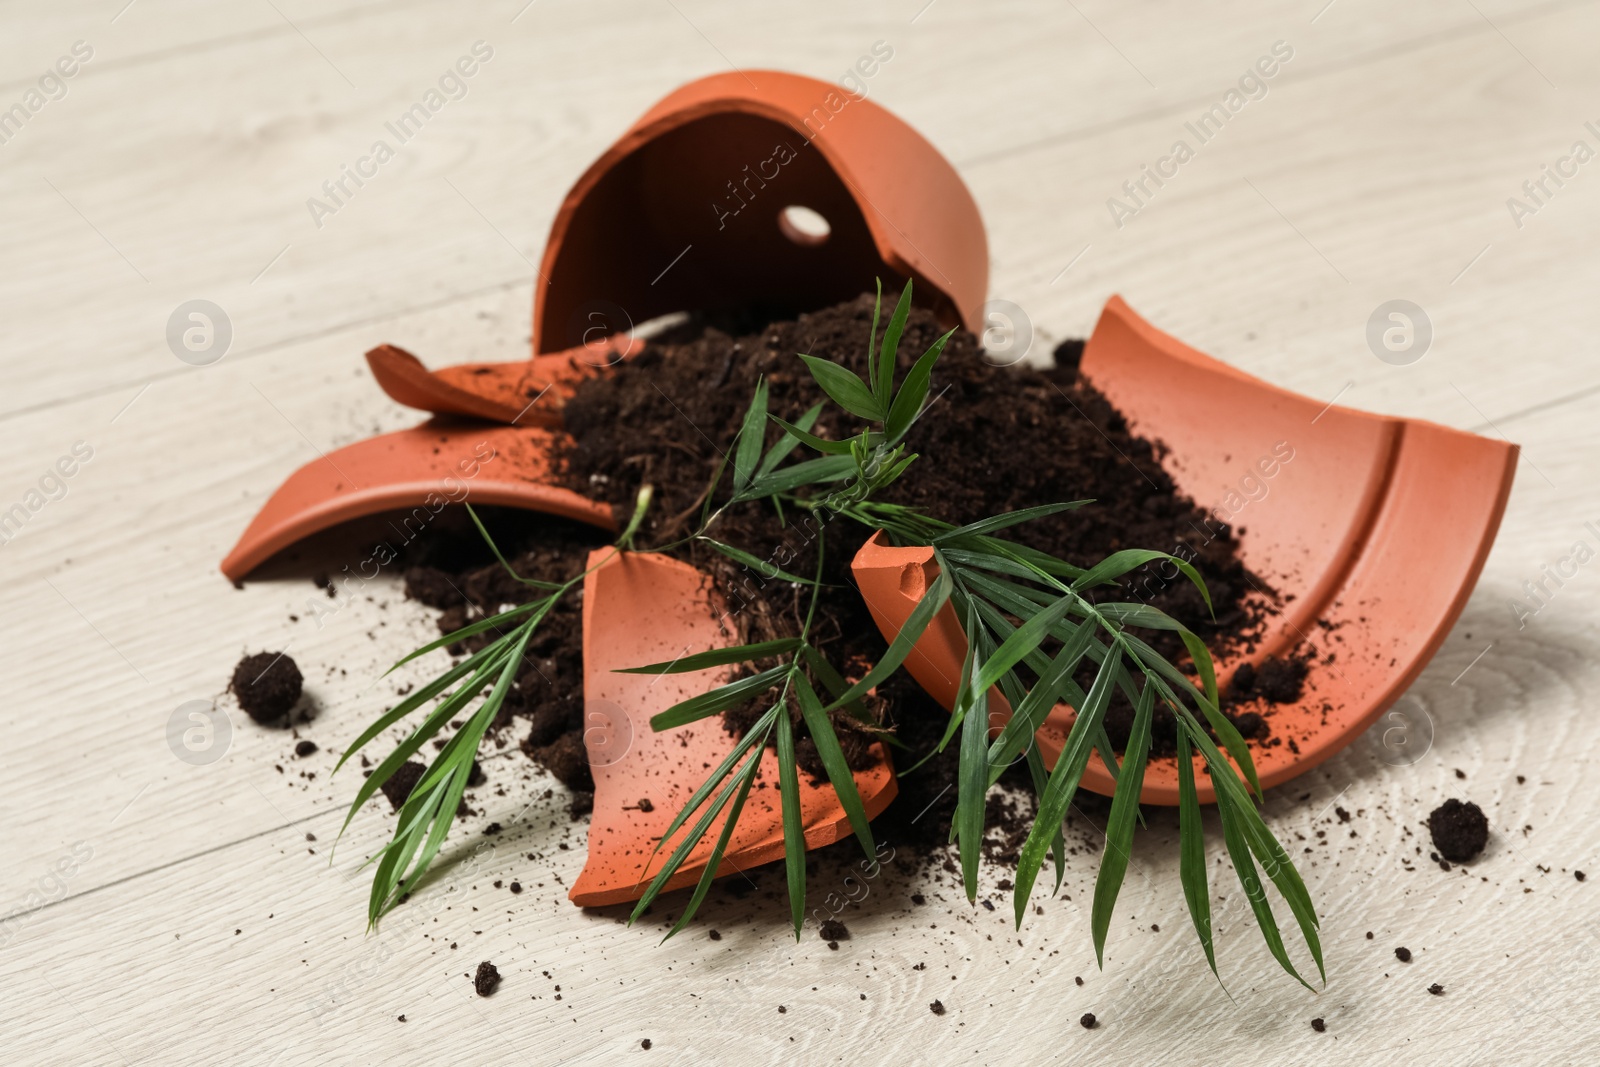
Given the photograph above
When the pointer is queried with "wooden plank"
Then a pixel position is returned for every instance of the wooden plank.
(248, 153)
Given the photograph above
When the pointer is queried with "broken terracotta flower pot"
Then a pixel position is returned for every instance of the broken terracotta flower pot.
(643, 608)
(712, 167)
(750, 190)
(692, 209)
(520, 393)
(418, 470)
(1371, 530)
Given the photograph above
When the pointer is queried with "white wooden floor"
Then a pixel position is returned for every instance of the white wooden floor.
(165, 912)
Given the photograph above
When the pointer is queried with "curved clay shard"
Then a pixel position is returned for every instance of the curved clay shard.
(640, 609)
(522, 393)
(683, 212)
(1372, 530)
(421, 469)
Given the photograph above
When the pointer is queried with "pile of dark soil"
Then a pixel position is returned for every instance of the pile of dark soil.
(994, 439)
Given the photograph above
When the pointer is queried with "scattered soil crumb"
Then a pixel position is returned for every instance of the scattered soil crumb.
(1089, 1022)
(937, 1007)
(1319, 1026)
(1403, 954)
(1436, 989)
(645, 1044)
(487, 980)
(1459, 829)
(305, 748)
(834, 930)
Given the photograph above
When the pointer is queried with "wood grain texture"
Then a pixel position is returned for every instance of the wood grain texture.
(1377, 166)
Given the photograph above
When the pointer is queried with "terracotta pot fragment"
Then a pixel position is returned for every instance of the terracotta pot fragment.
(639, 609)
(1373, 531)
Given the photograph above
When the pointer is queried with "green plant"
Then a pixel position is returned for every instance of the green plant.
(1034, 624)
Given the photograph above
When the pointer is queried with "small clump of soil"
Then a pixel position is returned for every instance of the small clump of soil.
(834, 930)
(305, 748)
(267, 686)
(1318, 1025)
(1436, 989)
(937, 1007)
(398, 786)
(486, 980)
(1459, 829)
(1088, 1022)
(1277, 681)
(1403, 954)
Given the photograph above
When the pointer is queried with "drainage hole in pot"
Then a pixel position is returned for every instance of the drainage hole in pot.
(803, 226)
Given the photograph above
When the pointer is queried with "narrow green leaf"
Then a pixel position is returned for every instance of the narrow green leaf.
(1119, 563)
(923, 614)
(913, 391)
(1009, 518)
(1025, 639)
(719, 699)
(430, 726)
(794, 833)
(411, 703)
(1046, 693)
(794, 433)
(786, 442)
(765, 568)
(1192, 848)
(1063, 783)
(711, 490)
(1144, 616)
(641, 504)
(747, 450)
(473, 629)
(1245, 868)
(1119, 827)
(717, 657)
(757, 734)
(972, 771)
(833, 761)
(534, 582)
(847, 390)
(872, 337)
(1201, 655)
(884, 384)
(696, 833)
(1058, 841)
(715, 859)
(806, 472)
(834, 684)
